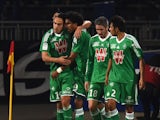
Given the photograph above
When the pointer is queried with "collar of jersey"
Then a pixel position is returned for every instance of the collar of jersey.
(58, 35)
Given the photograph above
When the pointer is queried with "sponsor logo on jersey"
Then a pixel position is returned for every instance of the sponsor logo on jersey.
(118, 56)
(61, 46)
(101, 54)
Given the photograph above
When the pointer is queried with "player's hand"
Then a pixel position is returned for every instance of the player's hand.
(54, 74)
(141, 84)
(86, 86)
(64, 61)
(78, 32)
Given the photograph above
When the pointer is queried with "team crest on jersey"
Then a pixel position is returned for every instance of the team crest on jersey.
(101, 54)
(102, 45)
(61, 46)
(118, 56)
(124, 46)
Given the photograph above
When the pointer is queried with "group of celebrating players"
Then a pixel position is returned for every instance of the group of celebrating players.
(100, 68)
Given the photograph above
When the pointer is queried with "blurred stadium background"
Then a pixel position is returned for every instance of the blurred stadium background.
(25, 21)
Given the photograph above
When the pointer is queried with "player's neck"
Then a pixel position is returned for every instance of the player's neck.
(120, 35)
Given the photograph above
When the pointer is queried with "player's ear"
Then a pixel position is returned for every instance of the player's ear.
(116, 29)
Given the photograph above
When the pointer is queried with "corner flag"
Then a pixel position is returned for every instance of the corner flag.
(10, 61)
(10, 68)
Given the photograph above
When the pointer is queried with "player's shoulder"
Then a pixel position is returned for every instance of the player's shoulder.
(130, 37)
(48, 34)
(85, 34)
(96, 36)
(112, 37)
(132, 40)
(50, 31)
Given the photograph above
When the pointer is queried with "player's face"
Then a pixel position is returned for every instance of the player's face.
(112, 30)
(58, 25)
(101, 31)
(69, 25)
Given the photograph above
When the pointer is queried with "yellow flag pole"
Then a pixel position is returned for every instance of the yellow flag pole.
(11, 92)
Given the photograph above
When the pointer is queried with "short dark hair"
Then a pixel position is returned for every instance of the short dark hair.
(119, 22)
(101, 21)
(75, 17)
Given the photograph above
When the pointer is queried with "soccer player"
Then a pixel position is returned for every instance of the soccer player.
(120, 76)
(79, 54)
(55, 47)
(96, 68)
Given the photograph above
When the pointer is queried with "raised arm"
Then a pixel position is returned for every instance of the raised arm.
(86, 24)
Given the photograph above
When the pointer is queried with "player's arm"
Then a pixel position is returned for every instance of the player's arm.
(60, 60)
(77, 47)
(108, 70)
(141, 68)
(86, 24)
(45, 48)
(138, 52)
(71, 58)
(62, 68)
(89, 67)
